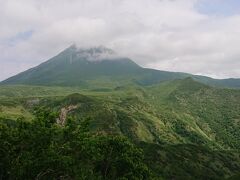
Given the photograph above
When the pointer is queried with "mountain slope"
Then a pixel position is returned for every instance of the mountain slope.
(188, 130)
(199, 112)
(100, 67)
(74, 67)
(178, 111)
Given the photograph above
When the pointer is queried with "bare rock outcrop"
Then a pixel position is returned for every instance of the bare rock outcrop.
(63, 114)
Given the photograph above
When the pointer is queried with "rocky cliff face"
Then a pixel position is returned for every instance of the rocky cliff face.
(63, 114)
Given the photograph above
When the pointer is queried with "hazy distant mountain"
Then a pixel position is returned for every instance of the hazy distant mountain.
(100, 67)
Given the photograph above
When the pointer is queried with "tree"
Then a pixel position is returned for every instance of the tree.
(117, 158)
(42, 149)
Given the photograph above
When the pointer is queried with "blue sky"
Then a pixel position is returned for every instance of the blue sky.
(219, 7)
(194, 36)
(19, 37)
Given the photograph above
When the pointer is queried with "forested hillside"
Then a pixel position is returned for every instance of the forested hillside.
(183, 129)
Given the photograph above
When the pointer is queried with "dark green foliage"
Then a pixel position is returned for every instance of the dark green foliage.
(44, 150)
(216, 109)
(117, 157)
(190, 131)
(191, 161)
(235, 177)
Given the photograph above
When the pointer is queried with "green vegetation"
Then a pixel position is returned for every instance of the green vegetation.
(197, 112)
(115, 120)
(185, 161)
(72, 67)
(42, 149)
(186, 130)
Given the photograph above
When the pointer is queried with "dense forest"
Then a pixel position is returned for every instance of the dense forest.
(176, 130)
(42, 149)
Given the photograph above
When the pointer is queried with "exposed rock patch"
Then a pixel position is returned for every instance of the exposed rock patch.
(63, 114)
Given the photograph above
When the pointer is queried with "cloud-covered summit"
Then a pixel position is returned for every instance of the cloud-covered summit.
(173, 35)
(95, 53)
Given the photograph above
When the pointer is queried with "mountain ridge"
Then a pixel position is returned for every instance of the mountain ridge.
(84, 66)
(185, 128)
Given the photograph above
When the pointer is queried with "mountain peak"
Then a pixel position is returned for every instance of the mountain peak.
(95, 53)
(78, 66)
(83, 66)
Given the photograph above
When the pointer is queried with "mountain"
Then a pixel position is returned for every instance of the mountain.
(175, 112)
(83, 100)
(100, 67)
(186, 129)
(76, 66)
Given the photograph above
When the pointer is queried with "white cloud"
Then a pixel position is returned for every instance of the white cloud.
(163, 34)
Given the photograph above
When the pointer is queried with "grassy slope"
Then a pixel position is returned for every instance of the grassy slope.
(15, 100)
(181, 111)
(173, 114)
